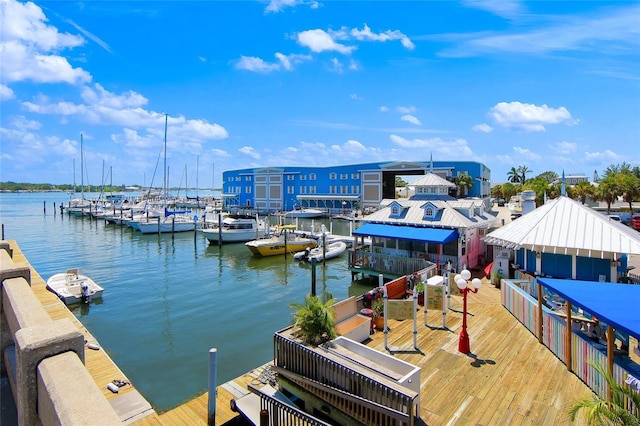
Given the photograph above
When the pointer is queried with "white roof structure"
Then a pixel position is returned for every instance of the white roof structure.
(464, 213)
(565, 226)
(431, 179)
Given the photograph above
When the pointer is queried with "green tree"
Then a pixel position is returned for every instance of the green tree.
(629, 185)
(549, 176)
(464, 183)
(607, 191)
(513, 175)
(599, 411)
(583, 190)
(315, 320)
(509, 189)
(496, 191)
(522, 171)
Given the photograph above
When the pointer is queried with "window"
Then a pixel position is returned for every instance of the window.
(303, 177)
(394, 210)
(247, 178)
(290, 177)
(238, 189)
(344, 189)
(312, 189)
(428, 212)
(247, 190)
(303, 189)
(230, 178)
(289, 189)
(344, 176)
(355, 189)
(332, 189)
(333, 176)
(355, 175)
(312, 176)
(238, 178)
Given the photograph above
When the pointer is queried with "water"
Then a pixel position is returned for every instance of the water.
(169, 299)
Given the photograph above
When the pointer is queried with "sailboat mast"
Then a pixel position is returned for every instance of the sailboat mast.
(81, 167)
(166, 188)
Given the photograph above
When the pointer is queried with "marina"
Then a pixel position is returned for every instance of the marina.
(492, 384)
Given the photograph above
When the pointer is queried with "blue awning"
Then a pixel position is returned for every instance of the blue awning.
(614, 304)
(411, 233)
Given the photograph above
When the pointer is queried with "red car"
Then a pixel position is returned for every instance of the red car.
(635, 221)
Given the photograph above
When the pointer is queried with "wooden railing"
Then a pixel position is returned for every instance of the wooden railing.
(364, 397)
(391, 266)
(524, 307)
(282, 414)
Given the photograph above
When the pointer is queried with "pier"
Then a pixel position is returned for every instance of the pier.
(509, 377)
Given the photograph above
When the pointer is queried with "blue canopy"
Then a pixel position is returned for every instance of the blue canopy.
(411, 233)
(614, 304)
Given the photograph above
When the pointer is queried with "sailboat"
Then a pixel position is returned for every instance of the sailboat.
(170, 221)
(78, 206)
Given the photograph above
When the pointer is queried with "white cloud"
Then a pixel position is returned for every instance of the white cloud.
(355, 97)
(528, 117)
(5, 93)
(252, 63)
(276, 6)
(411, 119)
(482, 128)
(353, 65)
(504, 8)
(457, 148)
(610, 32)
(526, 154)
(406, 110)
(30, 47)
(287, 61)
(336, 65)
(384, 108)
(319, 41)
(565, 147)
(100, 96)
(366, 34)
(250, 151)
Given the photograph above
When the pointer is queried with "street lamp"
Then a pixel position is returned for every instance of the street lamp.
(461, 280)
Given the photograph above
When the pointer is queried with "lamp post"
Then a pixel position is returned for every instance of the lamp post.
(462, 282)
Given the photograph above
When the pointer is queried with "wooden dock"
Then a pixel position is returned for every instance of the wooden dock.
(509, 379)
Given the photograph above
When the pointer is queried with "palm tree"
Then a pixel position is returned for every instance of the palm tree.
(315, 320)
(464, 182)
(513, 175)
(583, 190)
(607, 191)
(598, 411)
(523, 170)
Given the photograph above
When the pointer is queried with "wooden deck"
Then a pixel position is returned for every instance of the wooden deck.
(509, 379)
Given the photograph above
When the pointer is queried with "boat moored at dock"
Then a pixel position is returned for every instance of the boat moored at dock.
(72, 287)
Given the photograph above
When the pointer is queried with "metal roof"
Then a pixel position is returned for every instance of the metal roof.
(432, 179)
(451, 214)
(565, 226)
(615, 304)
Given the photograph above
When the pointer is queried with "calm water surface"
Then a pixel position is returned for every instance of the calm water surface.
(169, 299)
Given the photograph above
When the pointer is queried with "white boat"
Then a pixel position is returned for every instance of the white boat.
(332, 250)
(171, 222)
(235, 229)
(71, 287)
(305, 212)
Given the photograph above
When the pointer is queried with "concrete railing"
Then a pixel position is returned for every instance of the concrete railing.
(43, 358)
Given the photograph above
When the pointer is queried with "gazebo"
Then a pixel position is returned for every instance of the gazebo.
(566, 239)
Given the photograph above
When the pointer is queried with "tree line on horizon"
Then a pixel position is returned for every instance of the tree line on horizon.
(618, 182)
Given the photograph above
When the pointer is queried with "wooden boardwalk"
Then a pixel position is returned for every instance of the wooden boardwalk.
(509, 379)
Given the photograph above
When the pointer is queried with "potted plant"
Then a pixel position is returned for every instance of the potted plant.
(314, 320)
(419, 288)
(496, 277)
(377, 312)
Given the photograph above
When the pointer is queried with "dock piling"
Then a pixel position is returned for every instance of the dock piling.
(213, 367)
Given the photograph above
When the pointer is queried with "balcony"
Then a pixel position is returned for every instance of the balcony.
(390, 266)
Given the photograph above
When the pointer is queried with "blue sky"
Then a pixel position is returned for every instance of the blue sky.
(550, 85)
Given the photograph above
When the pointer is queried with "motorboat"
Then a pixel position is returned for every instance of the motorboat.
(72, 287)
(304, 213)
(321, 253)
(235, 229)
(286, 241)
